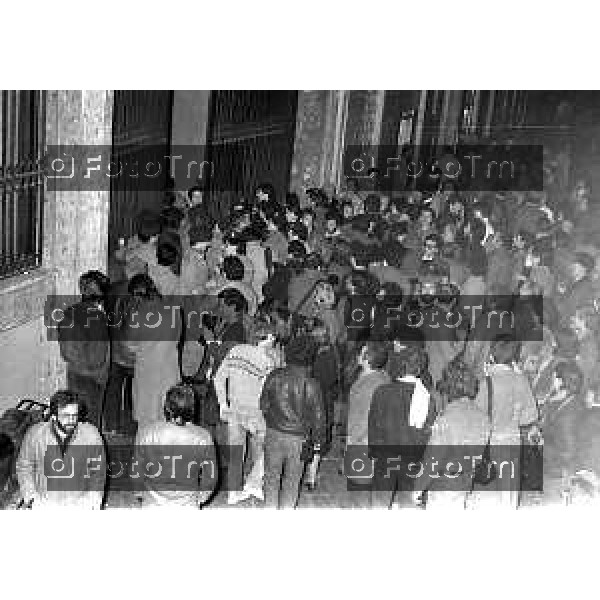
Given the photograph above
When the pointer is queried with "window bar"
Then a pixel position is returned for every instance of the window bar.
(40, 151)
(14, 180)
(513, 107)
(2, 163)
(8, 163)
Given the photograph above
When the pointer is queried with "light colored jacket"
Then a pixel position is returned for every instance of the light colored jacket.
(513, 404)
(55, 481)
(179, 485)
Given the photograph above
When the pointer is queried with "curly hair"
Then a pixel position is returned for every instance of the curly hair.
(412, 360)
(458, 381)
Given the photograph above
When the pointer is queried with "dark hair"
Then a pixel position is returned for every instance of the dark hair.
(148, 225)
(97, 277)
(399, 229)
(180, 403)
(366, 284)
(63, 398)
(234, 298)
(332, 215)
(292, 202)
(410, 361)
(7, 447)
(170, 218)
(297, 249)
(167, 254)
(376, 354)
(299, 229)
(505, 349)
(144, 281)
(458, 381)
(372, 204)
(233, 268)
(301, 351)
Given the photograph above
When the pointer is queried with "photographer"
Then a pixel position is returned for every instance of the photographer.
(78, 449)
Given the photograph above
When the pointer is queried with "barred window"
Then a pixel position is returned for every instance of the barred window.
(23, 119)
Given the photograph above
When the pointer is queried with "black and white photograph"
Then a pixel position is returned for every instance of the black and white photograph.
(265, 309)
(299, 299)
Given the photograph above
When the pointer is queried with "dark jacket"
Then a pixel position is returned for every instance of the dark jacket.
(292, 402)
(84, 340)
(389, 421)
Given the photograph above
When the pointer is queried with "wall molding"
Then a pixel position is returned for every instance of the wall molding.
(22, 298)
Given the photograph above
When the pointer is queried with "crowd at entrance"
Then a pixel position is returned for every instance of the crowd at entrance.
(280, 367)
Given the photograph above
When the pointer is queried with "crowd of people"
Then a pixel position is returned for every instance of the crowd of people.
(291, 356)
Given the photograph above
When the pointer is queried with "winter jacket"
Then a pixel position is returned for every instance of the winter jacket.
(292, 402)
(389, 419)
(34, 468)
(359, 404)
(84, 340)
(152, 442)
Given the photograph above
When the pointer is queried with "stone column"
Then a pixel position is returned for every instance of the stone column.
(76, 222)
(311, 131)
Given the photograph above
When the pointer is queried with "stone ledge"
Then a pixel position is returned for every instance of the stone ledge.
(22, 298)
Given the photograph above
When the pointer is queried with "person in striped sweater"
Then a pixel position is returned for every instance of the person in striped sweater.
(238, 384)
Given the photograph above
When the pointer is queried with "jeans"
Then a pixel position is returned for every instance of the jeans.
(283, 469)
(91, 392)
(117, 411)
(245, 432)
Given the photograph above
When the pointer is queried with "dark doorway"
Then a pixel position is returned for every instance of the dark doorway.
(141, 132)
(251, 140)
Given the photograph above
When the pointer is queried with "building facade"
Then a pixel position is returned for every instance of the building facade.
(294, 139)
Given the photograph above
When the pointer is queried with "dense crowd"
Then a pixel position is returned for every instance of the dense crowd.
(291, 356)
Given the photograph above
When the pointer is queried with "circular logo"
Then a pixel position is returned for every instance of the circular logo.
(58, 315)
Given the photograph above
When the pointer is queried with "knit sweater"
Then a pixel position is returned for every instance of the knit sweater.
(241, 376)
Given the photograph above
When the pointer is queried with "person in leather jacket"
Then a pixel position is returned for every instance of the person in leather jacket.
(292, 404)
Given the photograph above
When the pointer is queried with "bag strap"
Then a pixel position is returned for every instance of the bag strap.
(490, 394)
(309, 433)
(306, 296)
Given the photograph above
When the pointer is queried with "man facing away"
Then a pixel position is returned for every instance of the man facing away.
(292, 404)
(397, 418)
(195, 475)
(238, 383)
(371, 359)
(85, 344)
(53, 450)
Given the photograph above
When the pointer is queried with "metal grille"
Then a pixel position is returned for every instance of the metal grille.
(141, 131)
(251, 141)
(23, 116)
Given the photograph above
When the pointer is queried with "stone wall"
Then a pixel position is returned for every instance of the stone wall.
(327, 120)
(75, 240)
(309, 155)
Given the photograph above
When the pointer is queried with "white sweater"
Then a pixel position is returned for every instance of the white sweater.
(245, 368)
